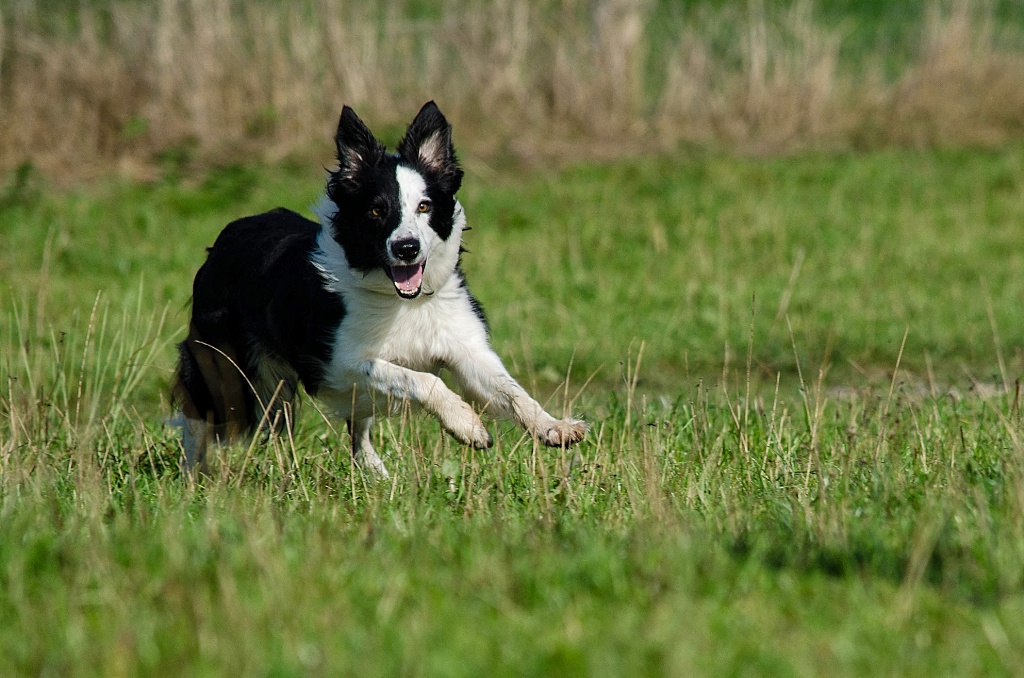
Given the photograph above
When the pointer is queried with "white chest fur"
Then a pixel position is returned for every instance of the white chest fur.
(421, 334)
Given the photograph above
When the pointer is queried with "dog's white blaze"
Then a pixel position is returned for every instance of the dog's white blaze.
(412, 190)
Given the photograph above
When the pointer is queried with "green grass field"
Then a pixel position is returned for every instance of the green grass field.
(806, 455)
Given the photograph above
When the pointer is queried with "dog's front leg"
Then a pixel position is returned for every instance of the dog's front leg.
(363, 454)
(484, 378)
(397, 383)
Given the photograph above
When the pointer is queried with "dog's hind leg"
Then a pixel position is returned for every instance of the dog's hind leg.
(192, 395)
(208, 388)
(363, 454)
(195, 435)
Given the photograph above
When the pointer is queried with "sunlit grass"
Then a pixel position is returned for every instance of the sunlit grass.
(806, 454)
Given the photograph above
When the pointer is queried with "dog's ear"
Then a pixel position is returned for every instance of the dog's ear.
(428, 144)
(357, 147)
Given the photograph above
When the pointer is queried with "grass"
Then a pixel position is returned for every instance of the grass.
(827, 259)
(806, 455)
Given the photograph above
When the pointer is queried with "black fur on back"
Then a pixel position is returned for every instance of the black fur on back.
(258, 295)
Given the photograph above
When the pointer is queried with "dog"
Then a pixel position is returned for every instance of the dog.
(363, 308)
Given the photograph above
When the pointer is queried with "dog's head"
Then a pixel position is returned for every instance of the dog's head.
(395, 216)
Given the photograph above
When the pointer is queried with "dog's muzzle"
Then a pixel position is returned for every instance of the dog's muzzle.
(408, 277)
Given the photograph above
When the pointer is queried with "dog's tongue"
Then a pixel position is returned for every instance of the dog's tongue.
(407, 278)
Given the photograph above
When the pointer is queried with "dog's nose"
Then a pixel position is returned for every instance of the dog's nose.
(406, 250)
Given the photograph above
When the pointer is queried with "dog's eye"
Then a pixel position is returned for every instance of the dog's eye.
(423, 207)
(375, 212)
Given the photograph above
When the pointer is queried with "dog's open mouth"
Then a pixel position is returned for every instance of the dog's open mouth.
(408, 279)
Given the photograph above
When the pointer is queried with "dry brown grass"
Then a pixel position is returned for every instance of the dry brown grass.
(229, 81)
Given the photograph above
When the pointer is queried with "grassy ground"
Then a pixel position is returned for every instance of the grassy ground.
(693, 254)
(763, 492)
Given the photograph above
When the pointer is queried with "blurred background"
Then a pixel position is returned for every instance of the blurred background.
(91, 86)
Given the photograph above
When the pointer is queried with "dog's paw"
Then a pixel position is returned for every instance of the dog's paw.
(469, 429)
(480, 438)
(563, 432)
(369, 463)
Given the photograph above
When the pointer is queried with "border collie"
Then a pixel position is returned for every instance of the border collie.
(363, 308)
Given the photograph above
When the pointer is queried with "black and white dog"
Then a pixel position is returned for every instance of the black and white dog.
(362, 308)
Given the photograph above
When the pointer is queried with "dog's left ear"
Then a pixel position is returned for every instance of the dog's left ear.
(357, 148)
(428, 144)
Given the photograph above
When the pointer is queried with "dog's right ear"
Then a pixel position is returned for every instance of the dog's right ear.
(428, 144)
(357, 147)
